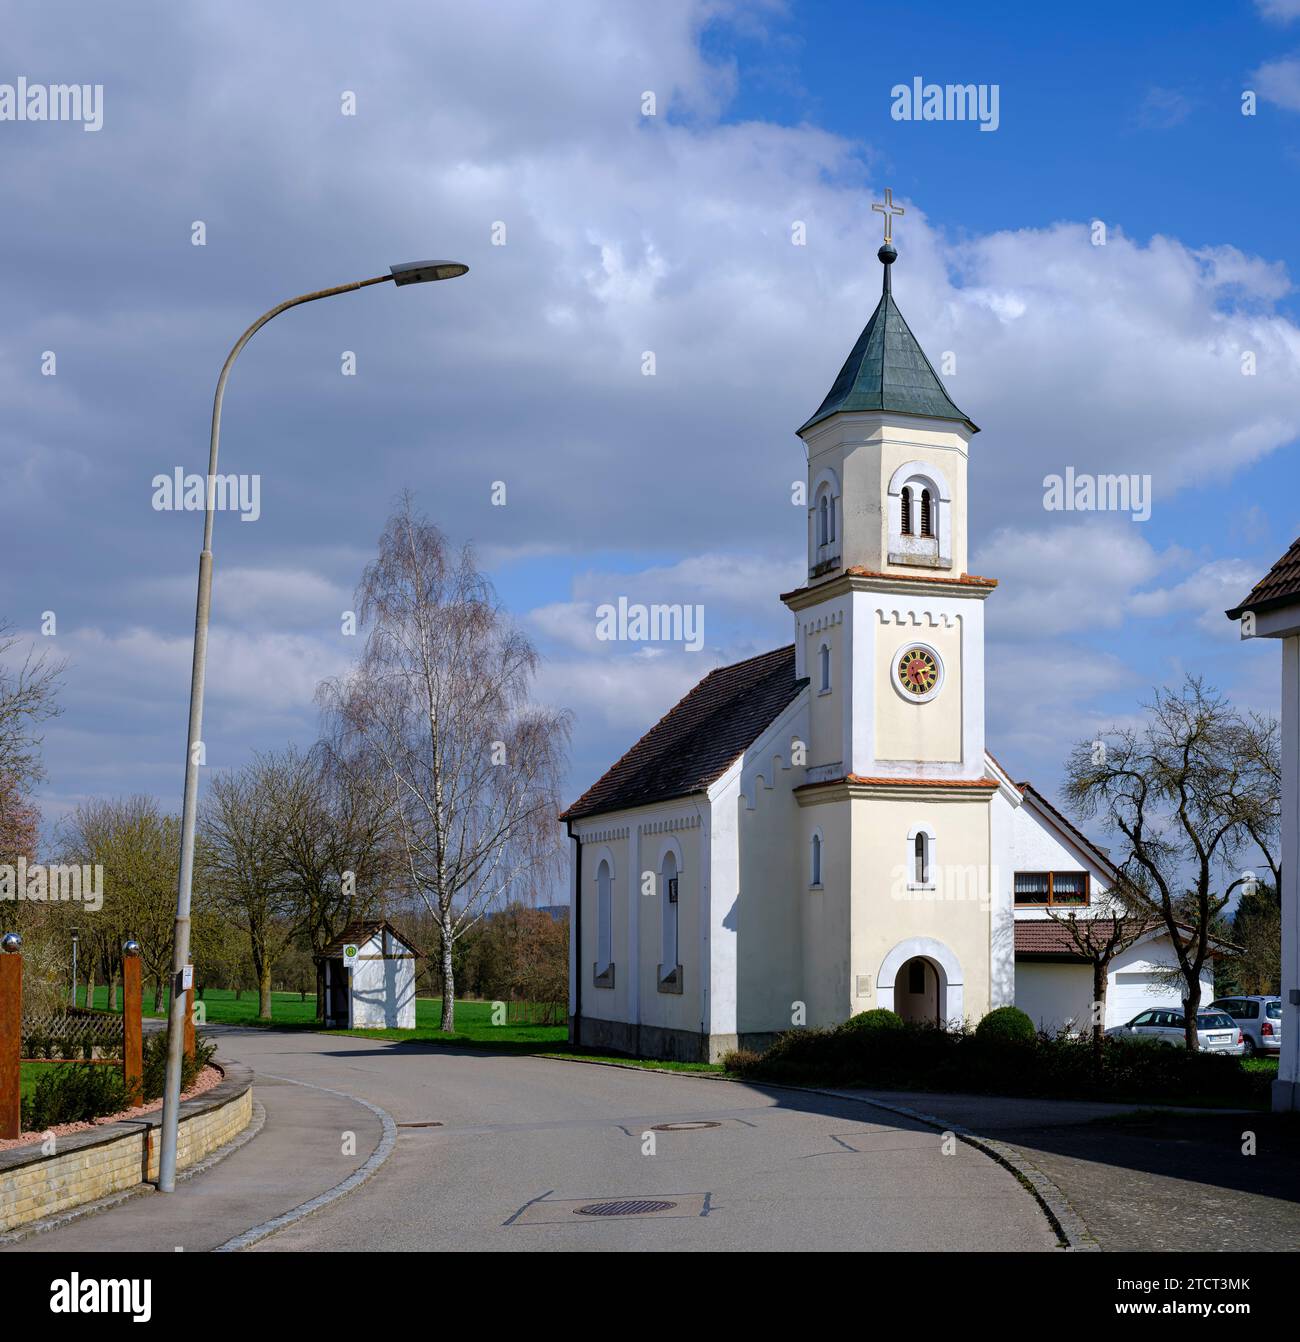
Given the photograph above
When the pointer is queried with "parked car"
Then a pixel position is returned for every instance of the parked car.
(1259, 1019)
(1216, 1032)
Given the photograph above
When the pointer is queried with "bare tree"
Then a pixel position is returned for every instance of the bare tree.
(335, 845)
(27, 698)
(1190, 792)
(469, 768)
(1099, 939)
(241, 827)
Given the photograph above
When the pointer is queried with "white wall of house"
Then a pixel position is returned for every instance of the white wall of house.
(383, 989)
(1038, 843)
(1058, 996)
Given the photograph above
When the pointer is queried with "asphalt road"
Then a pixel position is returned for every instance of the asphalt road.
(521, 1143)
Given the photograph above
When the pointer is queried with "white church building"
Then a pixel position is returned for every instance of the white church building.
(821, 829)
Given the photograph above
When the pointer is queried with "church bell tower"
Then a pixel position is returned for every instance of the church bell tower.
(890, 624)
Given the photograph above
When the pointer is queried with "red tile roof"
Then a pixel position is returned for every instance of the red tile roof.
(856, 571)
(1046, 936)
(1278, 587)
(699, 739)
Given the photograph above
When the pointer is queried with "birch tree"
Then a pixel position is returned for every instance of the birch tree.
(469, 767)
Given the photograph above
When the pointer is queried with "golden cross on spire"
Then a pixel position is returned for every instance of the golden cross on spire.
(888, 209)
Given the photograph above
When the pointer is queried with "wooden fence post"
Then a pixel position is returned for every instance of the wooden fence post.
(189, 1017)
(132, 1023)
(11, 1036)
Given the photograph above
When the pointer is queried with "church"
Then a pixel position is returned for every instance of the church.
(821, 829)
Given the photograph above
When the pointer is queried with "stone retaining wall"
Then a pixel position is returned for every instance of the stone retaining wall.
(118, 1156)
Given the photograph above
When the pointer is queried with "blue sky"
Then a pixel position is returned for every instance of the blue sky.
(627, 233)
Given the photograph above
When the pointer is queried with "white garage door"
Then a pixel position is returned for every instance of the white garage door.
(1135, 990)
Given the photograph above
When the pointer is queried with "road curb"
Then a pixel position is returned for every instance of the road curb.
(387, 1142)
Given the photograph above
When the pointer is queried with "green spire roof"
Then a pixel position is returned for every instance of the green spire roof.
(888, 370)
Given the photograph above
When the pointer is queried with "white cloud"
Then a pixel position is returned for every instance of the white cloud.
(1069, 577)
(1205, 594)
(1278, 82)
(1278, 11)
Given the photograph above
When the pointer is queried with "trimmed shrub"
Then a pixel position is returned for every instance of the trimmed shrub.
(879, 1018)
(924, 1057)
(154, 1063)
(739, 1060)
(73, 1094)
(1008, 1025)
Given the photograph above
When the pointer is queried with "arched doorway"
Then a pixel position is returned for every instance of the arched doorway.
(916, 991)
(921, 979)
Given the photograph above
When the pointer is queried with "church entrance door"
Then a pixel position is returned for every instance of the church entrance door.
(916, 991)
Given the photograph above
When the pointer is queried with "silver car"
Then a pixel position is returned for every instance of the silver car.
(1259, 1019)
(1215, 1031)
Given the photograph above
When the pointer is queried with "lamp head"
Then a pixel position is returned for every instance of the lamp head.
(421, 272)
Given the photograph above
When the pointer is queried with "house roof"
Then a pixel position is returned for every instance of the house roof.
(1280, 586)
(360, 931)
(887, 369)
(1047, 936)
(1073, 831)
(698, 740)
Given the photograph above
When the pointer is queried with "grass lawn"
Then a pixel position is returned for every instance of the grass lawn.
(222, 1008)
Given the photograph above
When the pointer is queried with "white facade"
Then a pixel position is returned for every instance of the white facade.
(1284, 623)
(862, 851)
(381, 991)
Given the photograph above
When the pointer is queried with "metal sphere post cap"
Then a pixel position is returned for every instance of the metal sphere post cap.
(130, 946)
(420, 272)
(11, 943)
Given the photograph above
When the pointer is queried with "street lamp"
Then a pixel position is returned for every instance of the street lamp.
(410, 272)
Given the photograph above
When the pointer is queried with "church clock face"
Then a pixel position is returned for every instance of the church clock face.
(918, 673)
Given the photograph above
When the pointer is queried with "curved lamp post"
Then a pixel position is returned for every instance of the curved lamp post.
(411, 272)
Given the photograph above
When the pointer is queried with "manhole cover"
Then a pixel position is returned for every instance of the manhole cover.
(628, 1208)
(429, 1124)
(683, 1127)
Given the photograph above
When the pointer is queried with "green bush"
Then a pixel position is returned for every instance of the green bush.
(73, 1094)
(925, 1057)
(1008, 1025)
(880, 1018)
(154, 1063)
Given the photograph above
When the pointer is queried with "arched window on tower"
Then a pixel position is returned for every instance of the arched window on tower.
(927, 514)
(920, 859)
(824, 662)
(815, 864)
(824, 520)
(907, 510)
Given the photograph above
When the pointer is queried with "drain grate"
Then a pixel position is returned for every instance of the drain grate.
(684, 1127)
(427, 1124)
(629, 1207)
